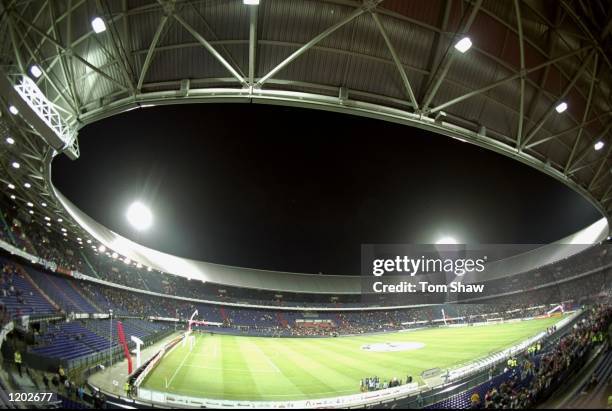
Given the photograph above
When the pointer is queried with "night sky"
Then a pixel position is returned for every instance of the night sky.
(300, 190)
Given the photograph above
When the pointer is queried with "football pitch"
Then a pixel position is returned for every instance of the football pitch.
(276, 369)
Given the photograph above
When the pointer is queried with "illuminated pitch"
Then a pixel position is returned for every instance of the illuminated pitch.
(252, 368)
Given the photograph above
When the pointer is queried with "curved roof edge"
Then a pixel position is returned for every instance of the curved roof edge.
(295, 282)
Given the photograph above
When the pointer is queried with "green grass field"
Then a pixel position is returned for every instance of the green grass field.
(252, 368)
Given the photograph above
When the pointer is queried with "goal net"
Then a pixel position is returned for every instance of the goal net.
(497, 320)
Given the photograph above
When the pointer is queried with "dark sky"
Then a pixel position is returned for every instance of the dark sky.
(301, 190)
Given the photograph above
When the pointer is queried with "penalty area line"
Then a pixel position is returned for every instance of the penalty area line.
(169, 383)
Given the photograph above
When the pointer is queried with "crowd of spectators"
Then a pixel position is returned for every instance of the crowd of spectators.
(70, 254)
(536, 374)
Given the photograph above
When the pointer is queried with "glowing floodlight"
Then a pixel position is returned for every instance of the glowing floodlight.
(598, 146)
(139, 216)
(447, 240)
(561, 107)
(98, 25)
(463, 45)
(36, 71)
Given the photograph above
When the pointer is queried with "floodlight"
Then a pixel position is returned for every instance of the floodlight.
(13, 110)
(447, 240)
(27, 185)
(31, 212)
(115, 255)
(102, 248)
(561, 107)
(30, 204)
(16, 164)
(36, 71)
(139, 216)
(13, 196)
(463, 45)
(98, 25)
(598, 146)
(59, 220)
(43, 204)
(11, 186)
(10, 140)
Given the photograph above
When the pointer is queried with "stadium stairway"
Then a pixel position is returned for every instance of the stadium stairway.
(62, 292)
(590, 395)
(92, 271)
(281, 320)
(224, 315)
(25, 275)
(73, 284)
(34, 303)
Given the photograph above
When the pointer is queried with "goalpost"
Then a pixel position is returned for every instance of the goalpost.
(497, 320)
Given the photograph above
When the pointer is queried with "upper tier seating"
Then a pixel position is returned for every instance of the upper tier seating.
(62, 291)
(18, 294)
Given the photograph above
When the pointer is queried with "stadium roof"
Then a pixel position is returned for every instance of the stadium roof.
(393, 60)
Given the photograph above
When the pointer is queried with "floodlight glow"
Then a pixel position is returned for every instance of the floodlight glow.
(98, 25)
(31, 212)
(30, 204)
(13, 196)
(59, 220)
(139, 216)
(27, 185)
(16, 164)
(598, 146)
(36, 71)
(11, 186)
(13, 110)
(251, 2)
(463, 45)
(115, 255)
(43, 204)
(447, 240)
(561, 107)
(102, 248)
(47, 218)
(10, 140)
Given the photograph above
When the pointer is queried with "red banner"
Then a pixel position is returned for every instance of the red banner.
(126, 350)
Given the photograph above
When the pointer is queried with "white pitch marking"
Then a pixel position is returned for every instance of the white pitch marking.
(178, 369)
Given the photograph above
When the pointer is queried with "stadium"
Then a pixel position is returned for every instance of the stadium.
(305, 204)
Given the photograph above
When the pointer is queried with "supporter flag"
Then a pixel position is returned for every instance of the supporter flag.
(123, 342)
